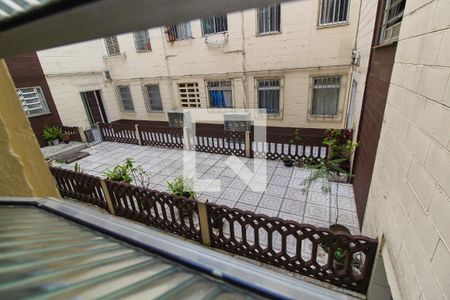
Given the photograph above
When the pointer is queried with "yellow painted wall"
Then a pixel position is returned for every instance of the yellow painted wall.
(23, 171)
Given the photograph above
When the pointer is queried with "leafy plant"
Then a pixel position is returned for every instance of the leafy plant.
(77, 167)
(121, 172)
(181, 186)
(321, 171)
(127, 173)
(51, 133)
(339, 255)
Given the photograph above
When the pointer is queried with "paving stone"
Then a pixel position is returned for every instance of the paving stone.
(290, 217)
(275, 190)
(295, 194)
(231, 194)
(245, 207)
(293, 207)
(319, 198)
(238, 184)
(266, 211)
(251, 198)
(317, 212)
(271, 202)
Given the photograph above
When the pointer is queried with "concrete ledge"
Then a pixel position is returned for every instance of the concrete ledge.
(54, 152)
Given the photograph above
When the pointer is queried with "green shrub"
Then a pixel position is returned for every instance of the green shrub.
(51, 133)
(181, 186)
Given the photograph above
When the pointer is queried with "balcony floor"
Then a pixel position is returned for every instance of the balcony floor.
(282, 195)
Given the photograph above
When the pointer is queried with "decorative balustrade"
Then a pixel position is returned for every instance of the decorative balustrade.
(299, 248)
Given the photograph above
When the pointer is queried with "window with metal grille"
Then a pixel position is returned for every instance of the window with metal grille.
(392, 19)
(125, 98)
(326, 92)
(178, 32)
(112, 46)
(153, 96)
(269, 19)
(220, 94)
(213, 25)
(142, 41)
(189, 94)
(269, 95)
(33, 101)
(333, 12)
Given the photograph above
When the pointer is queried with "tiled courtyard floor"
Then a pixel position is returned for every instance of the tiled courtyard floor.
(280, 196)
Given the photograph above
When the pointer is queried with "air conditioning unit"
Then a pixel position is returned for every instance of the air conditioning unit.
(237, 121)
(216, 40)
(179, 119)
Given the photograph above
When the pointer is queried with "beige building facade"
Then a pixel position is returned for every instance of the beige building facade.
(294, 51)
(408, 206)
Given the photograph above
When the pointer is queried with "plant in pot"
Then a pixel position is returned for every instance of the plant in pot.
(182, 186)
(339, 256)
(121, 173)
(52, 134)
(288, 162)
(66, 138)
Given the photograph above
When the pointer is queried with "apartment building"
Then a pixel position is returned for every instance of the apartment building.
(292, 59)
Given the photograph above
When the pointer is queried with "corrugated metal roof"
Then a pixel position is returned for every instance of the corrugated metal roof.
(12, 8)
(43, 256)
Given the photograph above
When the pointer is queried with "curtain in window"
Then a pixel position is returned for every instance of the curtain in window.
(326, 96)
(220, 98)
(269, 95)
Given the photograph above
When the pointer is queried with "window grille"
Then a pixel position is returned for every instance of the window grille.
(269, 95)
(112, 46)
(189, 94)
(392, 19)
(178, 32)
(142, 41)
(213, 25)
(125, 98)
(326, 96)
(220, 94)
(333, 12)
(33, 101)
(154, 101)
(269, 19)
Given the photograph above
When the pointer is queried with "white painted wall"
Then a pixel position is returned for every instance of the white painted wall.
(409, 200)
(300, 51)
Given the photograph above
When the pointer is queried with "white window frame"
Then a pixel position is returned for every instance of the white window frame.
(185, 28)
(222, 84)
(341, 86)
(148, 98)
(277, 22)
(390, 28)
(185, 94)
(215, 19)
(323, 20)
(40, 98)
(112, 46)
(119, 96)
(278, 114)
(142, 38)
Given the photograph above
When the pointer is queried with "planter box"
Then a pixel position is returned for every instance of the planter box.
(341, 178)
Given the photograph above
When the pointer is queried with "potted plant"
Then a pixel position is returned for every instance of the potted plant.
(339, 256)
(121, 173)
(288, 162)
(52, 134)
(182, 186)
(66, 138)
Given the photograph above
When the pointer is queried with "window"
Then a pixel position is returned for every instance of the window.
(153, 95)
(33, 101)
(125, 98)
(214, 25)
(269, 19)
(178, 32)
(142, 41)
(333, 12)
(392, 19)
(112, 46)
(189, 94)
(269, 95)
(220, 94)
(326, 96)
